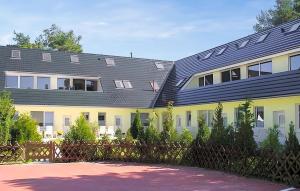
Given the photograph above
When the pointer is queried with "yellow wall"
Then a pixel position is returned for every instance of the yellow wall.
(286, 104)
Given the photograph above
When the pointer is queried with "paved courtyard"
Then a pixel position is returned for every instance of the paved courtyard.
(123, 177)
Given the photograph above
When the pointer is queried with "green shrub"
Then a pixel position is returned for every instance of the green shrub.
(292, 143)
(118, 134)
(151, 135)
(82, 130)
(229, 135)
(25, 129)
(203, 133)
(218, 135)
(186, 136)
(244, 135)
(129, 137)
(7, 113)
(137, 128)
(272, 140)
(169, 133)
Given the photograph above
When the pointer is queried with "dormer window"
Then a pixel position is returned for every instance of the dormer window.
(74, 58)
(110, 62)
(119, 84)
(221, 51)
(154, 85)
(244, 43)
(294, 27)
(46, 57)
(262, 38)
(159, 65)
(16, 54)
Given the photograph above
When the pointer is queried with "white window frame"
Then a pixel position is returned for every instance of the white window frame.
(127, 84)
(154, 85)
(110, 62)
(255, 112)
(208, 121)
(74, 59)
(116, 117)
(159, 66)
(297, 117)
(18, 81)
(64, 121)
(178, 122)
(188, 122)
(119, 82)
(230, 72)
(46, 57)
(13, 54)
(259, 66)
(290, 63)
(276, 115)
(204, 76)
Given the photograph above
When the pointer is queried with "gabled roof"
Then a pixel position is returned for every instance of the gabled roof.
(138, 71)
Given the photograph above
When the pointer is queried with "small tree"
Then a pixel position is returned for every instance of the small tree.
(7, 112)
(272, 140)
(229, 135)
(80, 131)
(152, 134)
(186, 136)
(203, 131)
(244, 135)
(25, 129)
(118, 134)
(137, 128)
(129, 137)
(169, 133)
(218, 135)
(292, 143)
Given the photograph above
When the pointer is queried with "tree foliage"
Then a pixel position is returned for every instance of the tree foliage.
(118, 134)
(52, 38)
(272, 140)
(244, 135)
(292, 143)
(137, 128)
(203, 133)
(7, 113)
(218, 134)
(186, 136)
(151, 133)
(25, 129)
(169, 133)
(284, 10)
(82, 130)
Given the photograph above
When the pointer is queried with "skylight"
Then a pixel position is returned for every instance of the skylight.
(179, 82)
(110, 62)
(127, 84)
(294, 27)
(159, 65)
(262, 38)
(243, 44)
(46, 57)
(16, 54)
(208, 55)
(74, 58)
(221, 51)
(119, 84)
(154, 85)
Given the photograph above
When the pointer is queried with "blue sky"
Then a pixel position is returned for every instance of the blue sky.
(162, 29)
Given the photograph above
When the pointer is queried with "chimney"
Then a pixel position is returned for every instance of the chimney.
(130, 54)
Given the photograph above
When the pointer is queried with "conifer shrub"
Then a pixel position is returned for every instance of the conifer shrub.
(137, 128)
(203, 133)
(292, 143)
(218, 134)
(186, 136)
(272, 140)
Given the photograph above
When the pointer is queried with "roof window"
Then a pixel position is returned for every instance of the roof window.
(119, 84)
(74, 58)
(244, 43)
(294, 27)
(221, 51)
(154, 85)
(46, 57)
(208, 55)
(127, 84)
(262, 38)
(159, 66)
(110, 62)
(16, 54)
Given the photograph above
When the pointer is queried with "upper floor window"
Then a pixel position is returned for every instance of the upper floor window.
(231, 75)
(79, 84)
(159, 65)
(63, 84)
(43, 83)
(16, 54)
(11, 81)
(295, 62)
(46, 57)
(260, 69)
(206, 80)
(91, 85)
(26, 82)
(74, 58)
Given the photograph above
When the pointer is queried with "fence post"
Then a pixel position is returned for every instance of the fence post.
(51, 150)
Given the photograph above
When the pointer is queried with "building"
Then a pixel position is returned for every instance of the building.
(56, 87)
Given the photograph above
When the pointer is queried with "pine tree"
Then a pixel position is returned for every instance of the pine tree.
(218, 130)
(169, 133)
(137, 129)
(203, 132)
(292, 143)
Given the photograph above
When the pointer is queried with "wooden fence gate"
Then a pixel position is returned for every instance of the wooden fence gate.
(41, 152)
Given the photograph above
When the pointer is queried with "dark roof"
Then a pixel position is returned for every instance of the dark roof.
(139, 71)
(278, 40)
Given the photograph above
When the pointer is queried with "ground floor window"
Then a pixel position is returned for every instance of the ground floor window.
(279, 118)
(67, 121)
(225, 119)
(102, 119)
(45, 122)
(259, 117)
(188, 118)
(178, 122)
(298, 115)
(118, 121)
(144, 118)
(207, 115)
(86, 115)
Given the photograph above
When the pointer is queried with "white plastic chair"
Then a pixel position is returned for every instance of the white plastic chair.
(111, 131)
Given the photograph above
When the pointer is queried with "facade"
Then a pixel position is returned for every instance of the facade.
(56, 87)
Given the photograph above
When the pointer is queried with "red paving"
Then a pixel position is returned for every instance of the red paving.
(123, 177)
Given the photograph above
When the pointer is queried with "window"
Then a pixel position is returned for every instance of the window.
(279, 119)
(49, 118)
(259, 117)
(294, 27)
(207, 115)
(260, 69)
(86, 115)
(110, 62)
(236, 116)
(243, 44)
(63, 84)
(144, 118)
(46, 57)
(79, 84)
(295, 62)
(208, 55)
(74, 58)
(231, 75)
(127, 84)
(262, 38)
(26, 82)
(221, 51)
(154, 85)
(11, 81)
(43, 118)
(43, 83)
(179, 82)
(206, 80)
(67, 121)
(225, 119)
(188, 118)
(16, 54)
(118, 121)
(102, 119)
(298, 115)
(178, 122)
(91, 85)
(119, 84)
(159, 66)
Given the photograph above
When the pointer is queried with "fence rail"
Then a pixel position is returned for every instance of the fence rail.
(266, 164)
